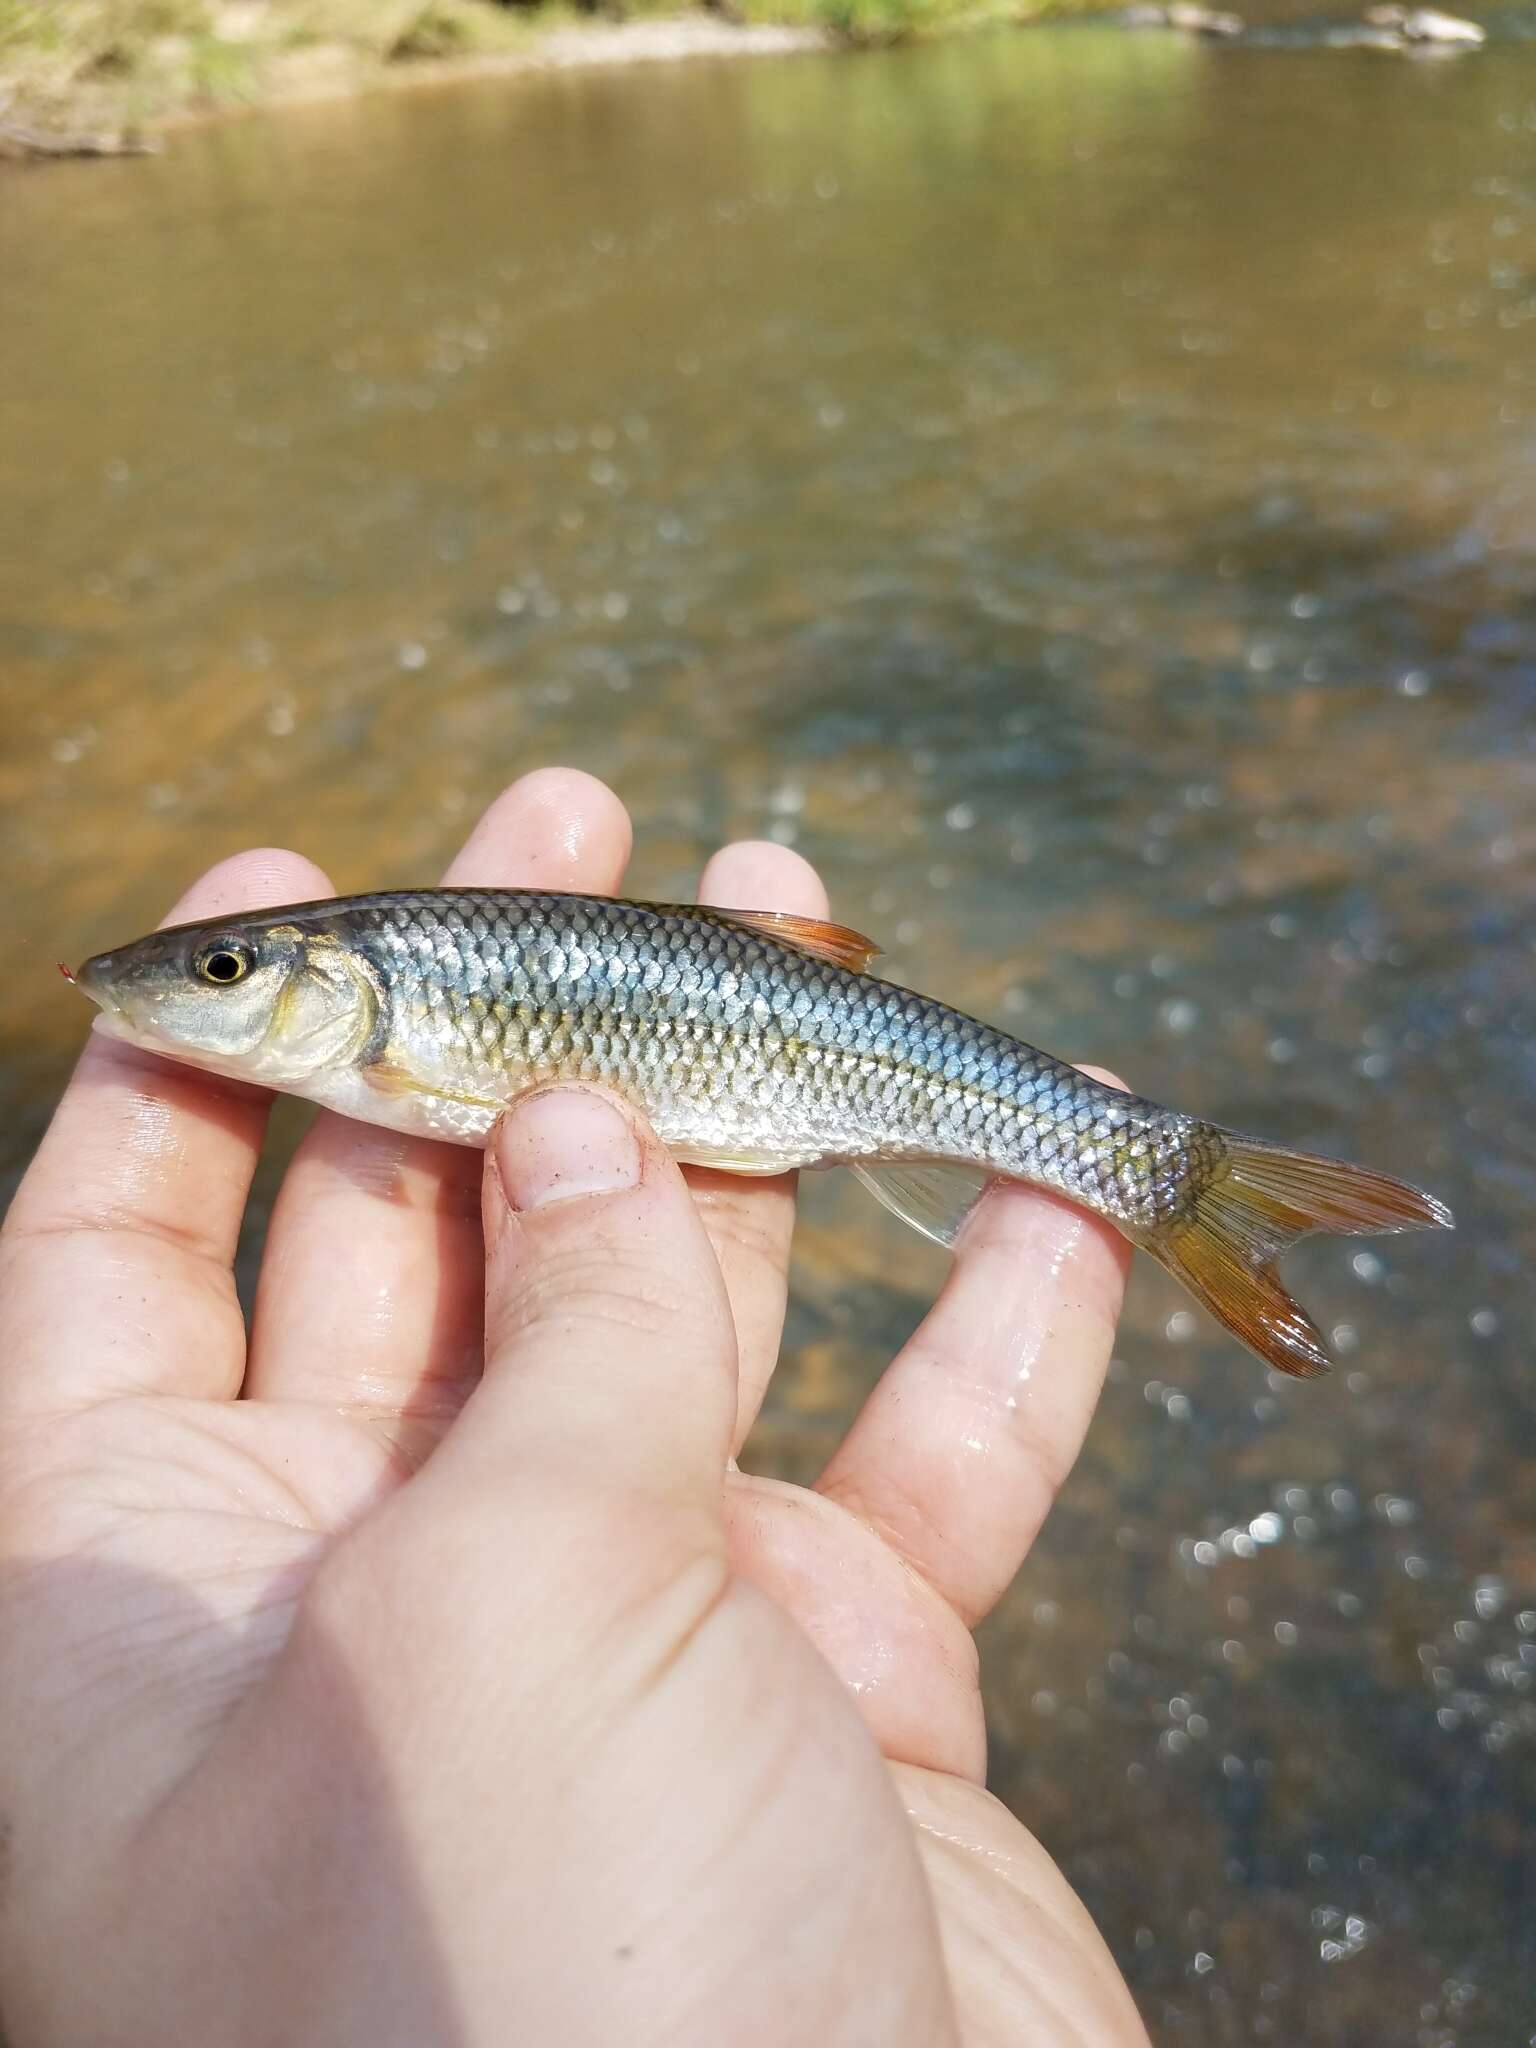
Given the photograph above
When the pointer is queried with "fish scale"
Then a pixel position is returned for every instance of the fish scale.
(753, 1042)
(873, 1068)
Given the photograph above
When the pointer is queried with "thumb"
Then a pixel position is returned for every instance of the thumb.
(610, 1357)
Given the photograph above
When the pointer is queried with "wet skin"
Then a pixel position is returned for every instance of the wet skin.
(474, 1669)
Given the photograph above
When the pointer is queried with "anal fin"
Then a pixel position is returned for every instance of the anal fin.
(934, 1197)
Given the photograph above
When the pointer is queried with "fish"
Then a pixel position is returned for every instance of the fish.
(755, 1042)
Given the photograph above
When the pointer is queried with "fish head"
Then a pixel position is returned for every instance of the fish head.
(262, 998)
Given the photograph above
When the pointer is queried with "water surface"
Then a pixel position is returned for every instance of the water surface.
(1079, 488)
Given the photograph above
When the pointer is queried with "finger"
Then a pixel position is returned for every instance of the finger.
(959, 1452)
(609, 1352)
(905, 1657)
(1025, 1960)
(118, 1248)
(371, 1289)
(750, 1222)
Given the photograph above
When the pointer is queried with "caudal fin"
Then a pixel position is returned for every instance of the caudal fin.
(1255, 1206)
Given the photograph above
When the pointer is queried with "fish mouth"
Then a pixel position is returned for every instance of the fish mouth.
(91, 981)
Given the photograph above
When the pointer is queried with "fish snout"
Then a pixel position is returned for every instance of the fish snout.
(95, 979)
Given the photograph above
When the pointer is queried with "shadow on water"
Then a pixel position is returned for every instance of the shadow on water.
(1078, 489)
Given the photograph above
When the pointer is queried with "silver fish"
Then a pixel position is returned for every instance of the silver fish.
(754, 1042)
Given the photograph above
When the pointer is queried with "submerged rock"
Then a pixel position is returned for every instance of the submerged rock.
(1362, 35)
(1184, 16)
(1425, 25)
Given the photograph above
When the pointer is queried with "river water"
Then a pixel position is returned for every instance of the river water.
(1081, 489)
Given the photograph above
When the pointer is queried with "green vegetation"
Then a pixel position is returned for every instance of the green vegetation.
(888, 21)
(97, 63)
(142, 59)
(86, 65)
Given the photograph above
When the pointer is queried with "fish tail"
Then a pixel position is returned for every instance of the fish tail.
(1258, 1200)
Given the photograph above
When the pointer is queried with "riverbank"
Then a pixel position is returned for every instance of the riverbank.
(100, 75)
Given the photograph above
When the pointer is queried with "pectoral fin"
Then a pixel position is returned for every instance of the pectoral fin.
(934, 1199)
(389, 1079)
(723, 1160)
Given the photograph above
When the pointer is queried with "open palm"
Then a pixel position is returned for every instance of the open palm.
(279, 1641)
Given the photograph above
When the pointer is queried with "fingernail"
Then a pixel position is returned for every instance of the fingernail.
(564, 1142)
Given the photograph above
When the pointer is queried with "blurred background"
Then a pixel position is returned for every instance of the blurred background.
(1078, 487)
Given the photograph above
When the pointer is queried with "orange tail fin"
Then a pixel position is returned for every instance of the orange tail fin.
(1255, 1207)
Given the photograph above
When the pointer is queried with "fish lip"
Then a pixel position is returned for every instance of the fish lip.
(87, 979)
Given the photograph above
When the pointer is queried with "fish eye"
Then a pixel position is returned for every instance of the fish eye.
(224, 962)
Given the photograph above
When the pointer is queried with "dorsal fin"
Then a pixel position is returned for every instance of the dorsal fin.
(834, 942)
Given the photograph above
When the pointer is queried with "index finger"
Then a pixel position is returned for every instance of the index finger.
(116, 1261)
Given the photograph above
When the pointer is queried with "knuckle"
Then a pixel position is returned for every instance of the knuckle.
(576, 1290)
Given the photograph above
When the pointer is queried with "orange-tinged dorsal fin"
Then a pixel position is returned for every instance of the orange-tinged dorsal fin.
(834, 942)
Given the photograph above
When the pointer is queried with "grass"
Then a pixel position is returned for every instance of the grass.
(82, 62)
(883, 21)
(92, 64)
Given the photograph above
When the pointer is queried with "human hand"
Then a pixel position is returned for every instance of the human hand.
(382, 1680)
